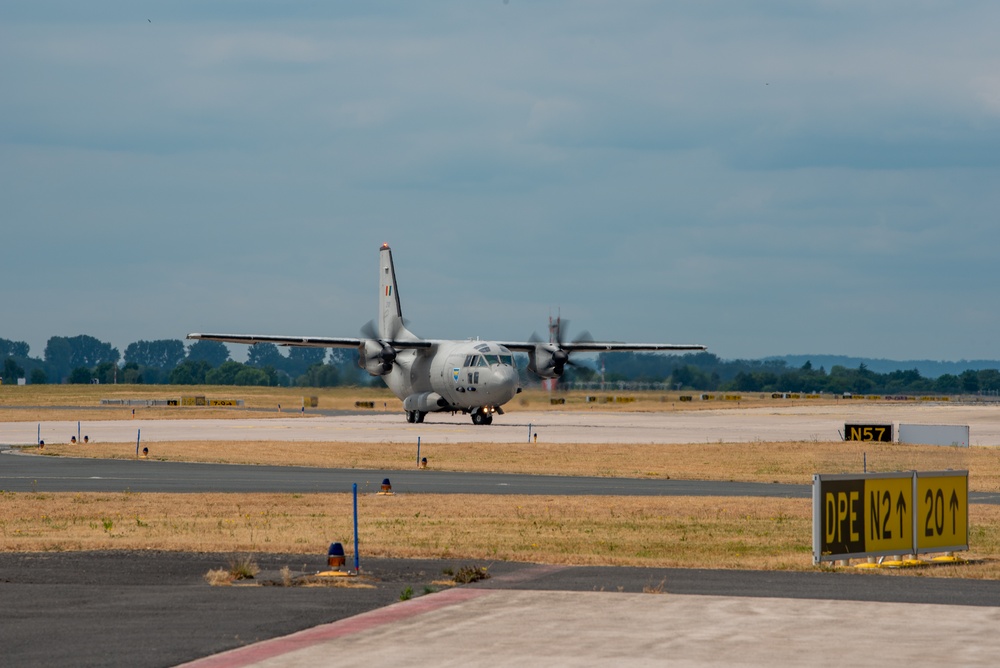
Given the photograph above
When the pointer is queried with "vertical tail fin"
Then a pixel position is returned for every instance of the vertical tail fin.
(390, 315)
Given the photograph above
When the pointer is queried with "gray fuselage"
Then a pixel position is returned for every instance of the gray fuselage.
(467, 375)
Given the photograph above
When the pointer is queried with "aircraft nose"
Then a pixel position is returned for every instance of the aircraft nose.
(505, 380)
(505, 373)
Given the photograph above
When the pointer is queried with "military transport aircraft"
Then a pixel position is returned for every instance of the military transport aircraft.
(472, 377)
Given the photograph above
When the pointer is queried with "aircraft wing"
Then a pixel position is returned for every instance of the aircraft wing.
(301, 341)
(602, 346)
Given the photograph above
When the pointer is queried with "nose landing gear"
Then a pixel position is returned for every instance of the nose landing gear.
(482, 416)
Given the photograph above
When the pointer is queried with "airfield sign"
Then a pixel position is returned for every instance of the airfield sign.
(868, 432)
(942, 511)
(883, 514)
(861, 515)
(890, 515)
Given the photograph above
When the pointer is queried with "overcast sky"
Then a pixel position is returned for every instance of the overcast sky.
(764, 178)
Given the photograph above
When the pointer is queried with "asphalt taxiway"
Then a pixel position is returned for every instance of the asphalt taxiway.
(39, 473)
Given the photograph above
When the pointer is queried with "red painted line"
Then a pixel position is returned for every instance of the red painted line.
(267, 649)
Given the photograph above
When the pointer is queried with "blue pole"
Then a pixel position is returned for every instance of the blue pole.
(357, 564)
(418, 452)
(78, 432)
(529, 432)
(865, 460)
(38, 439)
(138, 433)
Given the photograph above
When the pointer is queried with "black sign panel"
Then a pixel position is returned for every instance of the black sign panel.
(881, 433)
(842, 517)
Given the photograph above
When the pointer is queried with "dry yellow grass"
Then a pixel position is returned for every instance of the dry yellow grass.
(14, 400)
(662, 531)
(644, 531)
(752, 462)
(55, 402)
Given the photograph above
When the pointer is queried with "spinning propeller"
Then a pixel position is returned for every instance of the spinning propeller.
(384, 354)
(549, 360)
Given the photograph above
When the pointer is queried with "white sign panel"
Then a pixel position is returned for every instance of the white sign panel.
(935, 434)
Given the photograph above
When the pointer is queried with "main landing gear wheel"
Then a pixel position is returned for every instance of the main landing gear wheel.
(415, 416)
(480, 417)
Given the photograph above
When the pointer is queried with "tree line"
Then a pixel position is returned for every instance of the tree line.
(86, 359)
(707, 372)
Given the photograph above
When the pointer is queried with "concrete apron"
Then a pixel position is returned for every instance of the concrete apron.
(482, 627)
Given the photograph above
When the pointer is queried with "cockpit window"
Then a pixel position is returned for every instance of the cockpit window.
(488, 360)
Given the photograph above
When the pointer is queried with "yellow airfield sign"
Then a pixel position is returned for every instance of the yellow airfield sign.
(890, 515)
(942, 511)
(882, 514)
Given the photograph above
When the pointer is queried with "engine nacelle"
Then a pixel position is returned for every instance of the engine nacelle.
(376, 358)
(425, 402)
(547, 360)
